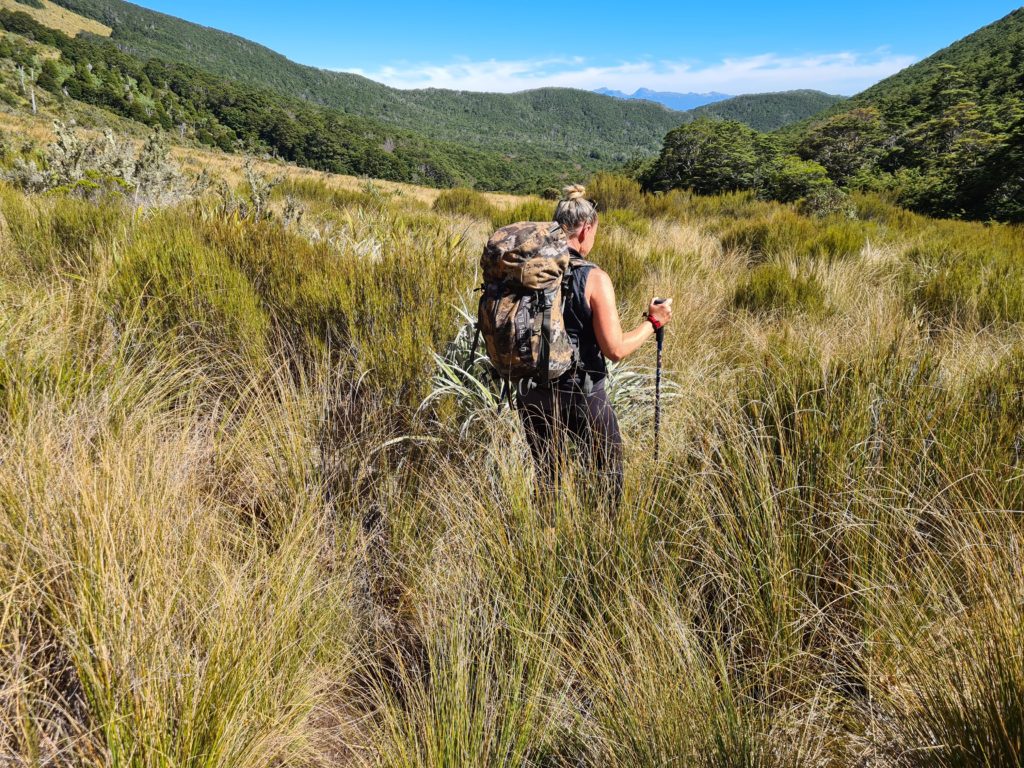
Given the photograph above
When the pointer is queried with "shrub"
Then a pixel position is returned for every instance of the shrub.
(368, 197)
(58, 234)
(787, 233)
(709, 156)
(102, 167)
(464, 202)
(777, 287)
(789, 179)
(784, 232)
(878, 209)
(627, 220)
(187, 294)
(969, 274)
(826, 201)
(840, 239)
(533, 209)
(611, 191)
(732, 205)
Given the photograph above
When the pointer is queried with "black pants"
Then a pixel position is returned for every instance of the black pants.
(564, 423)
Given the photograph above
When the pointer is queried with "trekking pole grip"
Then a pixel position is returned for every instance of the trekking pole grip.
(660, 332)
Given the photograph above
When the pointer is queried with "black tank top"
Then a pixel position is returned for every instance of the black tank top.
(579, 321)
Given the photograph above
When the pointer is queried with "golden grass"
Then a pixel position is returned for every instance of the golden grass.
(230, 535)
(56, 17)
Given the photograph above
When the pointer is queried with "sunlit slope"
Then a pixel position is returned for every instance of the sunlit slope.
(52, 15)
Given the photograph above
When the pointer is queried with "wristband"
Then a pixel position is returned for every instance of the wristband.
(657, 326)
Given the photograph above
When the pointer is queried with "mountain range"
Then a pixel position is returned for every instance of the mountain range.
(678, 101)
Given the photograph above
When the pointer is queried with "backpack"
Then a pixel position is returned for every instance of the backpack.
(525, 268)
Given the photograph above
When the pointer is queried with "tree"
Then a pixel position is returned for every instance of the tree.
(709, 156)
(847, 143)
(49, 76)
(790, 179)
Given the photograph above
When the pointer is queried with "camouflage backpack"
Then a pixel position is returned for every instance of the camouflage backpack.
(520, 315)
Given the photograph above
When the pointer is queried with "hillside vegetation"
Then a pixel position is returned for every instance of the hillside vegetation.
(945, 136)
(214, 111)
(259, 509)
(768, 111)
(220, 90)
(52, 15)
(562, 123)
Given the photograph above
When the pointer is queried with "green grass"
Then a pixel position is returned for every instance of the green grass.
(780, 288)
(236, 529)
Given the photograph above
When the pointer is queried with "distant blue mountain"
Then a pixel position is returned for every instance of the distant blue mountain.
(680, 101)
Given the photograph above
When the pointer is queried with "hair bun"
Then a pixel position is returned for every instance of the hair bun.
(573, 192)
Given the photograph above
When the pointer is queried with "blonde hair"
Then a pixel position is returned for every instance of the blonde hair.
(574, 210)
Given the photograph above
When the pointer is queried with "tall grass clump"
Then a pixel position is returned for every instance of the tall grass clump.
(163, 603)
(776, 287)
(613, 191)
(971, 276)
(789, 234)
(187, 294)
(531, 209)
(464, 202)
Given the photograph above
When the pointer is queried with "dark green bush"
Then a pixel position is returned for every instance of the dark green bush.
(776, 287)
(789, 179)
(826, 201)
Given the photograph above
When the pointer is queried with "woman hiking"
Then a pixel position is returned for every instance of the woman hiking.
(575, 409)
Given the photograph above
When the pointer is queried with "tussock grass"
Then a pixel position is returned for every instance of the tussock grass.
(467, 202)
(242, 527)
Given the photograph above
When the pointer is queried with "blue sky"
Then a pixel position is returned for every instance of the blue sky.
(732, 47)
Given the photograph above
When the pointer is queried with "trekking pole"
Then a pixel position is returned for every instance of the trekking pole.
(660, 335)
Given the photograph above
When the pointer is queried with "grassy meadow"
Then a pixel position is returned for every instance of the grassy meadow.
(252, 515)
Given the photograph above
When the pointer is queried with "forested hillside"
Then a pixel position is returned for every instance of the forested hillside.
(215, 111)
(768, 111)
(565, 123)
(945, 136)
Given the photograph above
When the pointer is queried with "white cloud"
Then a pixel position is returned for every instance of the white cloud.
(844, 72)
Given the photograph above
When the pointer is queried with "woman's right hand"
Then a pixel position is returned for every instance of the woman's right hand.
(661, 312)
